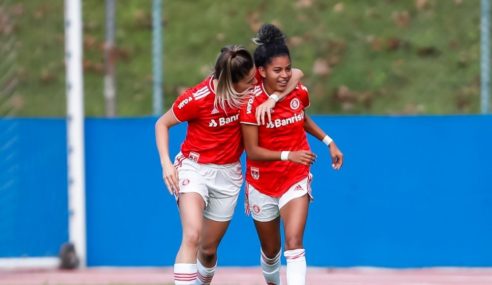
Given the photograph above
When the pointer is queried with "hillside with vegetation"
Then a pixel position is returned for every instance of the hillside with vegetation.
(359, 57)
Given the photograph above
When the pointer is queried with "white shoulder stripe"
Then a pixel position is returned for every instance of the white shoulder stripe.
(201, 91)
(201, 94)
(257, 91)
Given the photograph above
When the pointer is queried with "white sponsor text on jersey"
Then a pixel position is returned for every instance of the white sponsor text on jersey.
(285, 122)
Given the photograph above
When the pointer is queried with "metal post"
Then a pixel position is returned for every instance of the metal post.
(485, 56)
(109, 58)
(75, 127)
(157, 57)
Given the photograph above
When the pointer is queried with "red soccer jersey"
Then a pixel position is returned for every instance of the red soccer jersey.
(213, 135)
(286, 132)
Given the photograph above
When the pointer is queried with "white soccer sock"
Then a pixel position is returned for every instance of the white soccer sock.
(184, 273)
(205, 274)
(271, 268)
(296, 266)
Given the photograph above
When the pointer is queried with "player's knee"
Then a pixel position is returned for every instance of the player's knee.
(191, 239)
(208, 253)
(271, 252)
(293, 242)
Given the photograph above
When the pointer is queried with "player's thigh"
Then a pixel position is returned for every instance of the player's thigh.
(294, 216)
(269, 235)
(191, 206)
(212, 234)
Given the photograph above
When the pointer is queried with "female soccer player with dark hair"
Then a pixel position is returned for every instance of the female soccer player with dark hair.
(206, 176)
(278, 160)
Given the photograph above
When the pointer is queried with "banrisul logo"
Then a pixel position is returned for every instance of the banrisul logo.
(223, 121)
(212, 123)
(285, 122)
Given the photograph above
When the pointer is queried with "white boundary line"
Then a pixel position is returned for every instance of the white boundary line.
(29, 262)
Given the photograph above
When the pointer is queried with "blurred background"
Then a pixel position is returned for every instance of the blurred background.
(359, 57)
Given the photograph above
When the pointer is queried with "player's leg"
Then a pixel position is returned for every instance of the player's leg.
(269, 235)
(266, 216)
(212, 234)
(294, 206)
(224, 185)
(191, 213)
(191, 202)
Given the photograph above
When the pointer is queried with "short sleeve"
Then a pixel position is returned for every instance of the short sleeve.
(303, 95)
(185, 107)
(248, 111)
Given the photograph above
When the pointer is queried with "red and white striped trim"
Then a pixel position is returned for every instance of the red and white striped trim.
(201, 93)
(206, 280)
(247, 211)
(185, 276)
(294, 254)
(179, 161)
(270, 261)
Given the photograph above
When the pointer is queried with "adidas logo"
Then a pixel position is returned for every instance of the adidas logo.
(214, 111)
(298, 188)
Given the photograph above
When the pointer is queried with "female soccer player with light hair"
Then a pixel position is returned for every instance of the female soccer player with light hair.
(206, 176)
(278, 160)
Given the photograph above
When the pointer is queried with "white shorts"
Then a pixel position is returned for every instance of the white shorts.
(219, 185)
(264, 208)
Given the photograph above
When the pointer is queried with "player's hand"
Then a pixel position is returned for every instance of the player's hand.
(336, 156)
(170, 175)
(265, 108)
(304, 157)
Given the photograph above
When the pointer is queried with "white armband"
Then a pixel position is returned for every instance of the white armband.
(284, 155)
(274, 97)
(327, 140)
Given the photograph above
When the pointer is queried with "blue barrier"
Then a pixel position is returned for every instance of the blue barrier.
(414, 192)
(33, 187)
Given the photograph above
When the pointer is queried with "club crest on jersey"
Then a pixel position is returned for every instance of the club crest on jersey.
(294, 104)
(255, 173)
(194, 156)
(185, 182)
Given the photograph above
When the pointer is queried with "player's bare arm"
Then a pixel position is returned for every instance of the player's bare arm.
(256, 152)
(267, 106)
(312, 128)
(169, 173)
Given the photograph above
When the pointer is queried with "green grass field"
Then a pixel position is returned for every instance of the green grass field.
(359, 57)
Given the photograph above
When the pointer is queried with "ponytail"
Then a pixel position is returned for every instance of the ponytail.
(233, 64)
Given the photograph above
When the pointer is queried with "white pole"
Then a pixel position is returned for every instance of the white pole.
(485, 56)
(75, 127)
(109, 58)
(157, 101)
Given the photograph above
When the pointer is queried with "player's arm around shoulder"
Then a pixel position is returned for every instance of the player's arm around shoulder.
(266, 107)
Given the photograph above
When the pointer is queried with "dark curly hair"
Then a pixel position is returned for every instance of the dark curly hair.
(271, 43)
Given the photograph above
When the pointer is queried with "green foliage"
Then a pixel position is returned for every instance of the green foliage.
(359, 57)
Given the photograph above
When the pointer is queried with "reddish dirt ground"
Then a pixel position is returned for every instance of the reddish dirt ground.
(250, 276)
